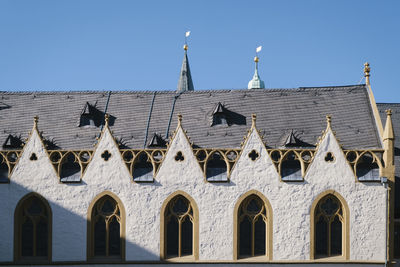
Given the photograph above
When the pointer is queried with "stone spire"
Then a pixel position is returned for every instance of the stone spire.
(185, 82)
(256, 82)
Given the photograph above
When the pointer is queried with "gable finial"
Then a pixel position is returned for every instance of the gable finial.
(106, 119)
(35, 121)
(256, 82)
(253, 120)
(328, 121)
(185, 82)
(367, 71)
(179, 119)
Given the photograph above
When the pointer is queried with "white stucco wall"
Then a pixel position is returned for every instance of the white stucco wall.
(291, 202)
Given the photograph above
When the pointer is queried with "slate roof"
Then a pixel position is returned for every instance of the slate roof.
(279, 111)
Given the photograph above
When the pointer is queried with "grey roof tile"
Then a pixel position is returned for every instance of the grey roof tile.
(278, 111)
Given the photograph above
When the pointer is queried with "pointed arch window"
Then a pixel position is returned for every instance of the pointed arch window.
(106, 229)
(216, 168)
(32, 229)
(253, 227)
(179, 229)
(330, 228)
(142, 168)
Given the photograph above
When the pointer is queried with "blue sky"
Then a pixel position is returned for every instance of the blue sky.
(132, 45)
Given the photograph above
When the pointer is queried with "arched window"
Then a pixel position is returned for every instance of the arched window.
(106, 230)
(179, 228)
(290, 168)
(216, 168)
(32, 229)
(329, 227)
(253, 222)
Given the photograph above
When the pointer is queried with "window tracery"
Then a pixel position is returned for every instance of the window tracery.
(106, 229)
(179, 224)
(328, 227)
(33, 229)
(252, 233)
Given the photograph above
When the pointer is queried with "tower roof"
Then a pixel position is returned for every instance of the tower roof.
(185, 82)
(256, 82)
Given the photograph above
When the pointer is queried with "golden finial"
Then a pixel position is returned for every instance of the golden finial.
(106, 119)
(185, 47)
(328, 121)
(253, 120)
(367, 70)
(36, 119)
(388, 112)
(256, 59)
(179, 119)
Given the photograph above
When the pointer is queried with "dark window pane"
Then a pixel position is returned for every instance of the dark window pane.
(172, 237)
(187, 237)
(397, 198)
(70, 168)
(35, 208)
(100, 238)
(41, 238)
(27, 238)
(259, 237)
(108, 207)
(245, 237)
(253, 206)
(290, 167)
(3, 172)
(143, 169)
(329, 206)
(114, 237)
(321, 237)
(216, 168)
(397, 240)
(180, 206)
(336, 237)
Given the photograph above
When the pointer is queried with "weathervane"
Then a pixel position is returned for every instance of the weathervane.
(256, 82)
(258, 49)
(187, 34)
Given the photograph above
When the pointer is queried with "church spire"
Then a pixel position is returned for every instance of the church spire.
(185, 82)
(256, 82)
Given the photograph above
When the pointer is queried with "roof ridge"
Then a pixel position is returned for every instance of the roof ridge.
(198, 91)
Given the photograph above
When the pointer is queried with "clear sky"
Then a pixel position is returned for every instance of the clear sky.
(132, 45)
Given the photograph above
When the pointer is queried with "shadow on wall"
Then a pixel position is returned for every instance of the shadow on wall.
(67, 230)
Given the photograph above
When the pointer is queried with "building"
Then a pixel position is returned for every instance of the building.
(269, 176)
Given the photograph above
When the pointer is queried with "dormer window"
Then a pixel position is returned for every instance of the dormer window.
(88, 116)
(13, 142)
(91, 116)
(157, 141)
(219, 115)
(294, 141)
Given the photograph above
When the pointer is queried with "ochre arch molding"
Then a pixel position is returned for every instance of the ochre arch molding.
(90, 226)
(17, 230)
(269, 225)
(345, 226)
(163, 232)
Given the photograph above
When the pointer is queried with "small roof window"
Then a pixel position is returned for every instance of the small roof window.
(219, 115)
(157, 141)
(294, 141)
(13, 142)
(91, 116)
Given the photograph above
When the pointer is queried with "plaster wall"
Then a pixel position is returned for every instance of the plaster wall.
(291, 202)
